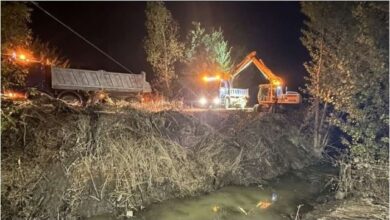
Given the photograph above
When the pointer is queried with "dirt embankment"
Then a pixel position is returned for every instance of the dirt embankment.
(350, 209)
(63, 163)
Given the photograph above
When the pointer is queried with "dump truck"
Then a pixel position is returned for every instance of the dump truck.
(78, 86)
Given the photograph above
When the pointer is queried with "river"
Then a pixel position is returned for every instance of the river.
(240, 202)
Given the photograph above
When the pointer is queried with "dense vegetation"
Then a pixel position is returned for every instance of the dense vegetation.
(17, 38)
(349, 84)
(15, 35)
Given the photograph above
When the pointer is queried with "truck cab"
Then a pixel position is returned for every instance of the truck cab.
(209, 93)
(218, 92)
(232, 97)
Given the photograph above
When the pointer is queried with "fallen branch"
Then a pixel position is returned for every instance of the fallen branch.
(297, 215)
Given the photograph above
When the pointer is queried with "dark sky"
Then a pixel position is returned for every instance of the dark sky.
(270, 28)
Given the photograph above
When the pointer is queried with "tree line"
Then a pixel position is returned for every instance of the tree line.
(204, 50)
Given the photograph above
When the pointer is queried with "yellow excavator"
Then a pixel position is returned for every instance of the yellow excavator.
(271, 94)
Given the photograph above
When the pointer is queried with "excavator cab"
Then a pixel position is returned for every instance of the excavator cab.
(270, 94)
(264, 93)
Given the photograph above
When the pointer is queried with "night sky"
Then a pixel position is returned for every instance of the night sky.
(270, 28)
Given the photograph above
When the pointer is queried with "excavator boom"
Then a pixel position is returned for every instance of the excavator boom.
(252, 58)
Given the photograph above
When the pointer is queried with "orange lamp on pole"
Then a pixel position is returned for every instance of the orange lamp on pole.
(22, 56)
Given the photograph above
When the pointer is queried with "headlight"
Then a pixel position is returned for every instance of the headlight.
(203, 101)
(216, 100)
(101, 96)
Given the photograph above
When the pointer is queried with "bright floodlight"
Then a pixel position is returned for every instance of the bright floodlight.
(211, 78)
(203, 101)
(216, 101)
(276, 82)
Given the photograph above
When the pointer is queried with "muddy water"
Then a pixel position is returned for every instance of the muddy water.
(235, 203)
(238, 202)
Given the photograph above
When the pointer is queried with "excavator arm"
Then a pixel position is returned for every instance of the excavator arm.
(252, 58)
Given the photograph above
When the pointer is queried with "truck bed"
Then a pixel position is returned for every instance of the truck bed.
(89, 80)
(234, 92)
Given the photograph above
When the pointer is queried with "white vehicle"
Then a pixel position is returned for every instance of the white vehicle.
(219, 93)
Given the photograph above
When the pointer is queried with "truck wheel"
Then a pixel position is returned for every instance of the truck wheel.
(70, 99)
(262, 108)
(272, 108)
(226, 103)
(242, 105)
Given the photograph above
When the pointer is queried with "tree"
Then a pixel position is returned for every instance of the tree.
(207, 51)
(15, 35)
(47, 54)
(348, 44)
(162, 46)
(313, 39)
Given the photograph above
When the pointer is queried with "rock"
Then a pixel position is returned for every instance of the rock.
(322, 199)
(340, 195)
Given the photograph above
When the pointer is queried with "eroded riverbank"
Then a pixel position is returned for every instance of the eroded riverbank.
(66, 163)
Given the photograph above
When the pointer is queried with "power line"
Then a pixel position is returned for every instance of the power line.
(80, 36)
